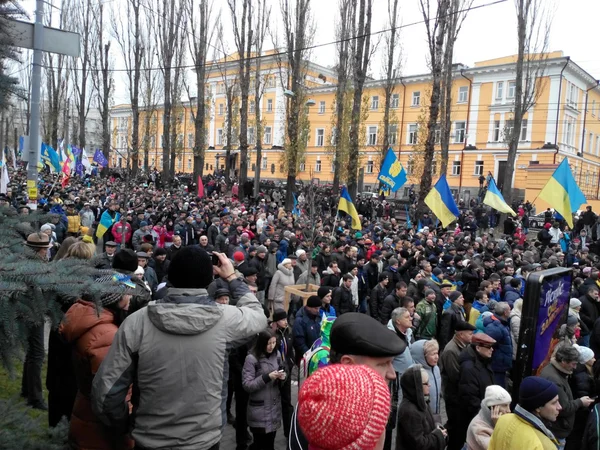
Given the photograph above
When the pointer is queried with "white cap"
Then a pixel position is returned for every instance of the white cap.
(300, 252)
(585, 354)
(286, 261)
(574, 303)
(496, 395)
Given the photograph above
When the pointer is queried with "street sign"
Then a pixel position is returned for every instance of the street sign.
(55, 40)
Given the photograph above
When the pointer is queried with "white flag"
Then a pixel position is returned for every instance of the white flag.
(4, 179)
(86, 161)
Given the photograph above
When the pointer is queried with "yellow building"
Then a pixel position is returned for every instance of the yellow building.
(563, 122)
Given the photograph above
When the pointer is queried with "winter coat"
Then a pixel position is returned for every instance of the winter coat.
(177, 345)
(391, 302)
(376, 299)
(512, 432)
(582, 384)
(264, 402)
(515, 328)
(475, 376)
(591, 435)
(416, 426)
(450, 370)
(566, 418)
(511, 295)
(91, 334)
(307, 328)
(450, 317)
(74, 222)
(330, 279)
(260, 265)
(312, 279)
(435, 379)
(404, 360)
(427, 328)
(283, 277)
(499, 330)
(341, 300)
(480, 430)
(590, 311)
(285, 346)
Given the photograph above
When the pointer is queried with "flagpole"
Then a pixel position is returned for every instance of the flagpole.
(53, 185)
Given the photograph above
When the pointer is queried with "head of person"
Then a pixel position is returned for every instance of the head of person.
(408, 303)
(496, 396)
(431, 352)
(160, 254)
(567, 356)
(313, 304)
(143, 258)
(357, 422)
(402, 319)
(502, 310)
(324, 294)
(38, 243)
(429, 295)
(261, 252)
(191, 268)
(383, 279)
(314, 267)
(116, 298)
(222, 296)
(457, 298)
(80, 250)
(401, 289)
(348, 279)
(265, 344)
(280, 318)
(415, 386)
(484, 345)
(446, 289)
(357, 338)
(592, 293)
(463, 332)
(540, 397)
(481, 297)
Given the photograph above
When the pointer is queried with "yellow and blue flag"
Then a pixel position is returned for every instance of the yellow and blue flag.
(50, 157)
(494, 198)
(441, 202)
(348, 207)
(106, 221)
(563, 193)
(392, 172)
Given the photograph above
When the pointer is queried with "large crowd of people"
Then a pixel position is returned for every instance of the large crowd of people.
(407, 336)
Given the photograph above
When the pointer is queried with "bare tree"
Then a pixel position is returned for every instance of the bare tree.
(457, 13)
(435, 26)
(126, 28)
(362, 53)
(178, 111)
(533, 31)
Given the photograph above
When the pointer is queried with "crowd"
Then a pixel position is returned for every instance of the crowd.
(414, 327)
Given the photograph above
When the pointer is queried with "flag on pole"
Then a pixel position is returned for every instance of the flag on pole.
(106, 221)
(392, 172)
(85, 160)
(99, 158)
(408, 222)
(494, 198)
(295, 210)
(200, 187)
(441, 202)
(50, 157)
(66, 171)
(4, 180)
(563, 193)
(348, 207)
(70, 156)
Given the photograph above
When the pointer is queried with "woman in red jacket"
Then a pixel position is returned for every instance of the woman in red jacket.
(91, 332)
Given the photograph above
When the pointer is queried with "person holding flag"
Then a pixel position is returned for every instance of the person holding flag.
(49, 156)
(109, 217)
(494, 198)
(441, 202)
(348, 207)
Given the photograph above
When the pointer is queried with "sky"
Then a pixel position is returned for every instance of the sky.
(487, 32)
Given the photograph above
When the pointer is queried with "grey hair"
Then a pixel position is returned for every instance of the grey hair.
(500, 308)
(397, 313)
(565, 352)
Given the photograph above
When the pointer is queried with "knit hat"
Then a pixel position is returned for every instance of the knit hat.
(585, 354)
(454, 295)
(114, 287)
(279, 314)
(238, 256)
(261, 249)
(313, 301)
(300, 252)
(143, 223)
(126, 260)
(286, 261)
(323, 291)
(574, 303)
(496, 395)
(355, 423)
(191, 268)
(547, 226)
(535, 392)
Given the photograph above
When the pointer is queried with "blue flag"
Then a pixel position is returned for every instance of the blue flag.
(392, 172)
(99, 158)
(296, 210)
(49, 156)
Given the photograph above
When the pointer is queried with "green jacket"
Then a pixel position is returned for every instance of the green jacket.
(428, 326)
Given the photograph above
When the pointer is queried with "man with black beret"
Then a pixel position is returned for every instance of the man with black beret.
(357, 339)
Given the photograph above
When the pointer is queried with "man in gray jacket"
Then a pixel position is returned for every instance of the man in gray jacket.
(175, 353)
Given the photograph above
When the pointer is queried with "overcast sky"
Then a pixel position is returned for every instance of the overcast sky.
(488, 32)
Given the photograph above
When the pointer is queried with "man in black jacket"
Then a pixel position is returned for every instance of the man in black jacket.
(450, 317)
(590, 307)
(342, 296)
(372, 269)
(377, 297)
(393, 301)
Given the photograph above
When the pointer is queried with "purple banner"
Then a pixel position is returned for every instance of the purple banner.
(554, 302)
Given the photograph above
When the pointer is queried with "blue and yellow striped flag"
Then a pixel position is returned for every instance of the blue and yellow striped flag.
(348, 207)
(441, 202)
(106, 221)
(563, 193)
(495, 199)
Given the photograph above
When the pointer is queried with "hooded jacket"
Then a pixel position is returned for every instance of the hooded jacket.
(499, 330)
(404, 360)
(480, 430)
(416, 426)
(283, 277)
(178, 345)
(435, 379)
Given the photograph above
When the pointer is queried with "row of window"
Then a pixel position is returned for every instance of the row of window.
(270, 83)
(267, 136)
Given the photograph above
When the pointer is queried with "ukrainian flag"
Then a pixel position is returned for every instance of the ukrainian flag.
(495, 199)
(50, 157)
(563, 193)
(348, 207)
(392, 172)
(441, 202)
(106, 221)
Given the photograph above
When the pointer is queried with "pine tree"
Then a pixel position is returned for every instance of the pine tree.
(9, 9)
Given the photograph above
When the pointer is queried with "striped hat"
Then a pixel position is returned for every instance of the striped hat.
(357, 422)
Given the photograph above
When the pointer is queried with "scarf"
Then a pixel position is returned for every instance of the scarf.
(536, 423)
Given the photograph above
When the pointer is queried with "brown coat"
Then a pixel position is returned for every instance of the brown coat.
(91, 335)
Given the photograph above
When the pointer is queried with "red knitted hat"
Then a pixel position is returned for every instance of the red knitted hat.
(238, 256)
(344, 407)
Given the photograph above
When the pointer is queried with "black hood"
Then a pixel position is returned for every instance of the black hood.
(412, 387)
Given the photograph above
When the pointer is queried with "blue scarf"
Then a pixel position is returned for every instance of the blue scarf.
(536, 423)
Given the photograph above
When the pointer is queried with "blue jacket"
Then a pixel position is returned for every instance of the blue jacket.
(330, 313)
(282, 253)
(499, 330)
(307, 328)
(511, 295)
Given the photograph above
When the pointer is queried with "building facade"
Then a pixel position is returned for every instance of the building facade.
(564, 121)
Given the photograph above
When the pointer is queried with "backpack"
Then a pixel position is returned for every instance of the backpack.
(304, 363)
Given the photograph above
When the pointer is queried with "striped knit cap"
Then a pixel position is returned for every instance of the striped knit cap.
(344, 407)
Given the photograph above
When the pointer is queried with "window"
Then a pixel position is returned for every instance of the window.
(372, 136)
(463, 94)
(572, 95)
(512, 86)
(496, 131)
(162, 141)
(393, 134)
(375, 102)
(416, 98)
(263, 164)
(252, 85)
(180, 140)
(320, 137)
(508, 129)
(252, 107)
(412, 133)
(478, 168)
(189, 163)
(456, 168)
(302, 167)
(221, 109)
(569, 130)
(271, 82)
(597, 145)
(220, 88)
(179, 163)
(523, 130)
(219, 137)
(459, 132)
(192, 118)
(438, 133)
(321, 107)
(270, 105)
(369, 166)
(499, 90)
(593, 107)
(251, 136)
(318, 165)
(190, 140)
(152, 141)
(333, 166)
(395, 101)
(410, 167)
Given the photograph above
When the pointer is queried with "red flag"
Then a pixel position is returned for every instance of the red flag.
(200, 187)
(66, 170)
(65, 180)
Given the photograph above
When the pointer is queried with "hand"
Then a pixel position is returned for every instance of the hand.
(443, 430)
(282, 375)
(274, 375)
(225, 269)
(496, 413)
(587, 401)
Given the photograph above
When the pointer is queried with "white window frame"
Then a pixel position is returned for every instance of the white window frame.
(597, 144)
(267, 135)
(496, 131)
(317, 165)
(393, 134)
(319, 137)
(374, 102)
(460, 133)
(189, 163)
(369, 168)
(264, 163)
(463, 94)
(412, 135)
(569, 131)
(524, 125)
(511, 90)
(416, 98)
(456, 168)
(162, 141)
(190, 140)
(221, 109)
(478, 170)
(219, 138)
(499, 95)
(322, 107)
(302, 167)
(251, 136)
(372, 135)
(395, 101)
(269, 105)
(252, 107)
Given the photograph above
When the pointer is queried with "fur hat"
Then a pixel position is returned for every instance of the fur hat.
(191, 268)
(125, 260)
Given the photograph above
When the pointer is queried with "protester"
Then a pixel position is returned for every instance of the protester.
(426, 353)
(495, 404)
